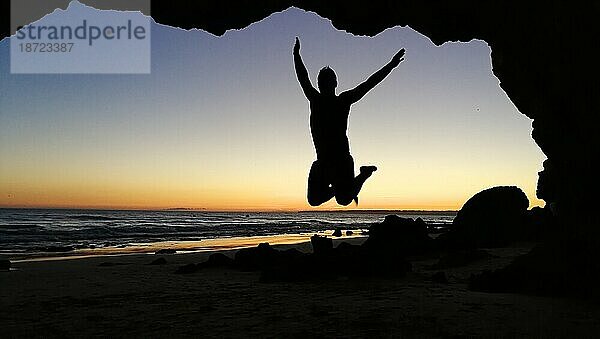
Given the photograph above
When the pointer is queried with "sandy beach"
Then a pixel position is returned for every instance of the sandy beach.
(124, 296)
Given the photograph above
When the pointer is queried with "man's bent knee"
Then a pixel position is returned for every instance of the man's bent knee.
(343, 200)
(315, 200)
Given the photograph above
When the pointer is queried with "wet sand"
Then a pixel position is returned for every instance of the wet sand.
(129, 298)
(205, 245)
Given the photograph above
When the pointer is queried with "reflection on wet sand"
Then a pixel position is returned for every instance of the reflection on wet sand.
(206, 245)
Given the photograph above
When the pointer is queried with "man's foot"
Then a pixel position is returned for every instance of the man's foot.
(367, 170)
(365, 173)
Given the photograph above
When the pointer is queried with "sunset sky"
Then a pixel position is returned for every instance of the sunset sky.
(221, 123)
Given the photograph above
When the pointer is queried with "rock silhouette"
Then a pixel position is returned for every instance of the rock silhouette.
(397, 236)
(491, 218)
(380, 256)
(219, 260)
(257, 258)
(541, 223)
(321, 245)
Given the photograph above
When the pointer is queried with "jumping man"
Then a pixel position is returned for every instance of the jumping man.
(332, 174)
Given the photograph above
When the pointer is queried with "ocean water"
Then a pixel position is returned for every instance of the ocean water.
(57, 230)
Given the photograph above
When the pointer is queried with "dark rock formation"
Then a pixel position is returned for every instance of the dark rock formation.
(349, 233)
(337, 233)
(546, 185)
(218, 260)
(345, 247)
(291, 254)
(215, 260)
(345, 260)
(257, 258)
(541, 223)
(321, 245)
(380, 257)
(166, 251)
(397, 236)
(491, 218)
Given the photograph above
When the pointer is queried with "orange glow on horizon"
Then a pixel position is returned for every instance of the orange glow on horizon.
(260, 190)
(249, 207)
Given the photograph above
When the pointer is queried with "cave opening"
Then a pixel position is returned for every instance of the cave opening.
(227, 114)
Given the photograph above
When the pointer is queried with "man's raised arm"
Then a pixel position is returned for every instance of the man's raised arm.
(355, 94)
(302, 73)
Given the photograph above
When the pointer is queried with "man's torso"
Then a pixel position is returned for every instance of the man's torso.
(328, 126)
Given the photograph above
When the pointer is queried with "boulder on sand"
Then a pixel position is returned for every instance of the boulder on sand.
(257, 258)
(379, 256)
(321, 245)
(214, 260)
(398, 236)
(491, 218)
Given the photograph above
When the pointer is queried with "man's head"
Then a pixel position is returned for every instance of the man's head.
(327, 80)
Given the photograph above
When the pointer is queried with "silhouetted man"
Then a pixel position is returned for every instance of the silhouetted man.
(332, 174)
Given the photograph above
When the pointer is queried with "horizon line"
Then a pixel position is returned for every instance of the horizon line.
(185, 209)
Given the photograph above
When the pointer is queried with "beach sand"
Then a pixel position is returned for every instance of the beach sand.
(126, 297)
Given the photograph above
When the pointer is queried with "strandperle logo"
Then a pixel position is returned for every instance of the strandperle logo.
(86, 32)
(79, 38)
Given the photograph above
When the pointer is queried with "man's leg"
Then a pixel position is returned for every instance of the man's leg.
(365, 173)
(347, 186)
(319, 189)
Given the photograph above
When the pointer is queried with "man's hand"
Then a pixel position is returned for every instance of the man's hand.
(297, 46)
(396, 59)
